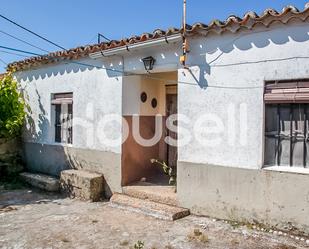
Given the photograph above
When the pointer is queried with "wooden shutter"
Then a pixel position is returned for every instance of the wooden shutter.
(63, 103)
(171, 89)
(62, 98)
(70, 124)
(295, 91)
(58, 123)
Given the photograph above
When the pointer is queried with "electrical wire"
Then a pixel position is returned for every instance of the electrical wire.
(255, 62)
(23, 41)
(3, 62)
(149, 76)
(19, 50)
(21, 55)
(132, 74)
(108, 69)
(32, 32)
(103, 36)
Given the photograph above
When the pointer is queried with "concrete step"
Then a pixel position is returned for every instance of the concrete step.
(82, 184)
(154, 209)
(152, 192)
(41, 181)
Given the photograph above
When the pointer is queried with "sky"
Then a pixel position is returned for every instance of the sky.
(72, 23)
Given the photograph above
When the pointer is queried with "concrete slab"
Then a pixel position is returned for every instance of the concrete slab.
(154, 209)
(41, 181)
(152, 192)
(82, 184)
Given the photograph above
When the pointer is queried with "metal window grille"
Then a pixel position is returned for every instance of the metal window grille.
(286, 123)
(286, 135)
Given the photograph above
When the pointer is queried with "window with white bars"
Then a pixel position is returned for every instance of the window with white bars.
(62, 103)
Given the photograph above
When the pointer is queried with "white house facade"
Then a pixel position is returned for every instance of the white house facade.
(241, 103)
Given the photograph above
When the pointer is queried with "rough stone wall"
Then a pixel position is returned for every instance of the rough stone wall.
(10, 157)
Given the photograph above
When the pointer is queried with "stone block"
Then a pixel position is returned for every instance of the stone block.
(82, 184)
(44, 182)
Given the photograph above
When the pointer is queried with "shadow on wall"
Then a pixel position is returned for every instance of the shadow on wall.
(51, 159)
(72, 66)
(30, 130)
(41, 154)
(243, 41)
(37, 156)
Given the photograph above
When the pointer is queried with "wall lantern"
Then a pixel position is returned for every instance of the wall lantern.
(148, 63)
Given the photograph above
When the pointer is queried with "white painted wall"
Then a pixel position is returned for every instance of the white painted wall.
(166, 56)
(96, 92)
(153, 85)
(229, 71)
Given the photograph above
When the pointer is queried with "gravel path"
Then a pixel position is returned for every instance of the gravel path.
(31, 219)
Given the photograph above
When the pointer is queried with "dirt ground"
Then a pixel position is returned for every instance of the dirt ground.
(32, 219)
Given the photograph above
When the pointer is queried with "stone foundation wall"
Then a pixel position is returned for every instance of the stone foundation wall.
(10, 157)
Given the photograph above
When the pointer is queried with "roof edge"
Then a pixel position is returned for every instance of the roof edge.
(231, 24)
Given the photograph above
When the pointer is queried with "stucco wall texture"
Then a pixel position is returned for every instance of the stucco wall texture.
(96, 93)
(225, 81)
(226, 180)
(272, 198)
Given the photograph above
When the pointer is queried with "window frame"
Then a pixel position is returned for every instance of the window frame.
(62, 122)
(295, 86)
(292, 135)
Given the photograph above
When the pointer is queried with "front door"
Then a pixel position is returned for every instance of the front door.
(171, 108)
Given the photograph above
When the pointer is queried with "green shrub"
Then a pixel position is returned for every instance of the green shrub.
(12, 108)
(167, 170)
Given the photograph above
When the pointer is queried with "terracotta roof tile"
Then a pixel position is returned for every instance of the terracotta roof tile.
(231, 24)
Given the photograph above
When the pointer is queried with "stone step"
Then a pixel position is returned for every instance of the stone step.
(41, 181)
(152, 192)
(147, 207)
(82, 184)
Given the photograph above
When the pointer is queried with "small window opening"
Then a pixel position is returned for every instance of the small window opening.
(63, 108)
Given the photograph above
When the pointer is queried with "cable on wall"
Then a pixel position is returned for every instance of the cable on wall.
(124, 73)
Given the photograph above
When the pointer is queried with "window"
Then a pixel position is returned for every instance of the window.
(286, 123)
(62, 104)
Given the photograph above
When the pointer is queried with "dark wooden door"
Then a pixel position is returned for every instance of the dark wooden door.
(171, 108)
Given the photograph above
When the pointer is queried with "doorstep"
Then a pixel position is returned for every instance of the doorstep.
(148, 191)
(147, 207)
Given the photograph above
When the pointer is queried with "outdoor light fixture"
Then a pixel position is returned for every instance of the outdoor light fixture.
(148, 63)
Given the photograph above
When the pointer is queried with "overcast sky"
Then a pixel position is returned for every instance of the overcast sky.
(72, 23)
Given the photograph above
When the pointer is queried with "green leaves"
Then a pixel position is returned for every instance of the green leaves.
(167, 170)
(12, 108)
